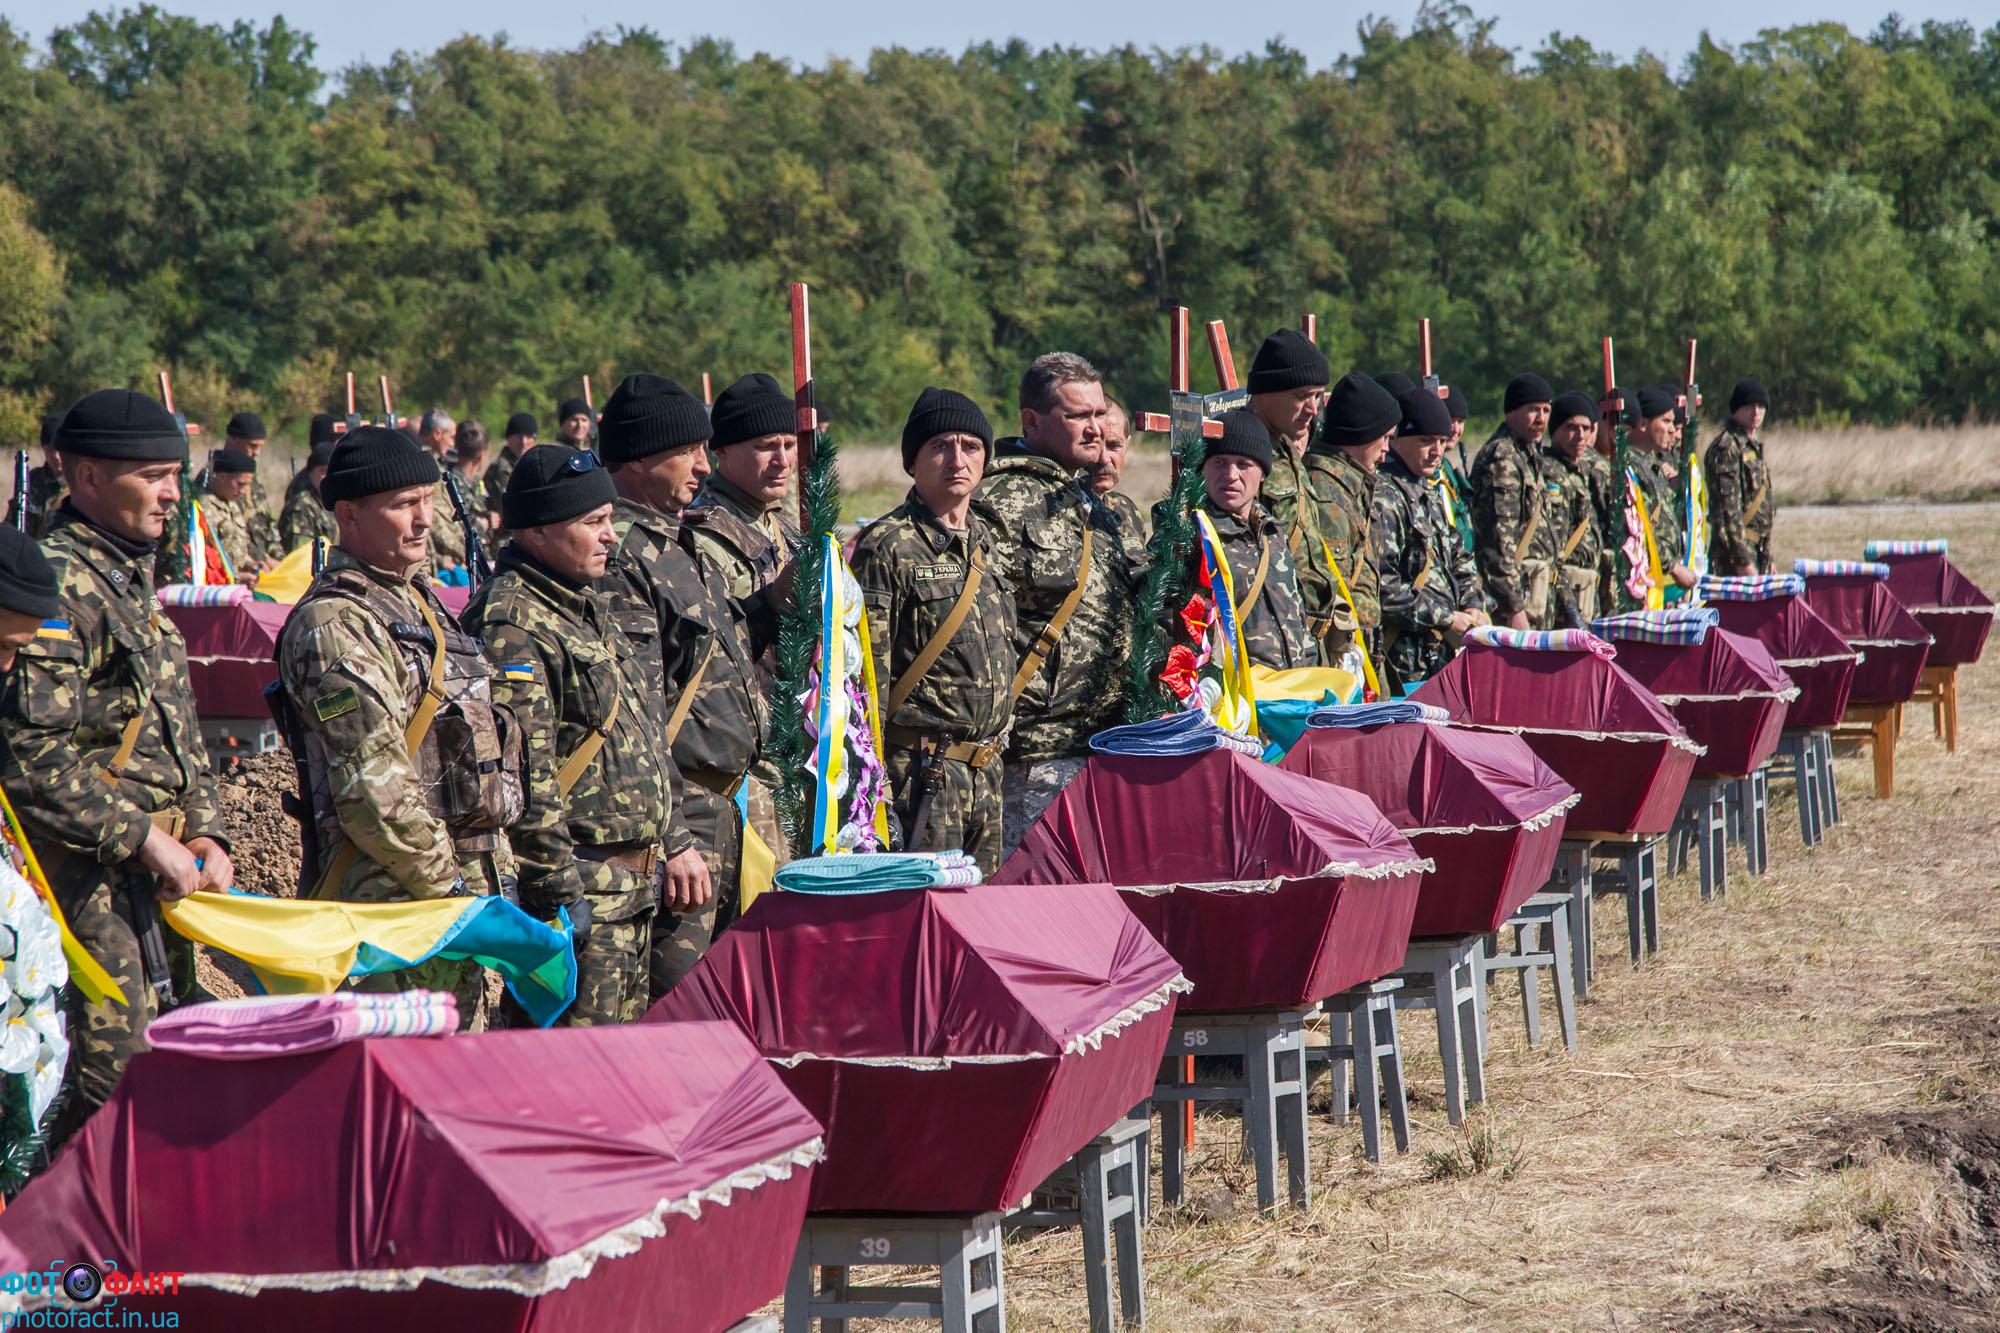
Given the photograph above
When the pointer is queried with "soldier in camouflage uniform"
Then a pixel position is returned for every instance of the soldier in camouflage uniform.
(521, 429)
(305, 517)
(471, 454)
(1111, 470)
(1653, 463)
(226, 502)
(436, 431)
(1287, 385)
(690, 637)
(1740, 504)
(1038, 503)
(1269, 610)
(1430, 589)
(941, 624)
(1576, 501)
(1513, 544)
(385, 821)
(245, 435)
(599, 825)
(100, 750)
(45, 485)
(1354, 435)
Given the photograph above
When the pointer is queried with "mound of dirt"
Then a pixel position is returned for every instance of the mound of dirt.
(265, 840)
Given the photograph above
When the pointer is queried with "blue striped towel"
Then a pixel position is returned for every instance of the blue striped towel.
(878, 872)
(1680, 625)
(1932, 546)
(1187, 732)
(1749, 588)
(1820, 569)
(1375, 715)
(1541, 640)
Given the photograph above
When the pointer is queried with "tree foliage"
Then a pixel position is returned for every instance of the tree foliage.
(486, 224)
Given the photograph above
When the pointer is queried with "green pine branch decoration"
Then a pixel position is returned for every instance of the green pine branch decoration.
(798, 646)
(1163, 590)
(1621, 489)
(20, 1137)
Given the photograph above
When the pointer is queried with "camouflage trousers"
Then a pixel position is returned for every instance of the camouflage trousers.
(965, 811)
(1414, 658)
(1026, 790)
(1535, 576)
(681, 938)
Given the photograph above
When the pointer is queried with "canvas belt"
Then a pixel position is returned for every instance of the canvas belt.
(1528, 537)
(973, 754)
(414, 731)
(173, 823)
(1756, 505)
(685, 703)
(643, 861)
(1582, 527)
(1045, 642)
(941, 637)
(725, 785)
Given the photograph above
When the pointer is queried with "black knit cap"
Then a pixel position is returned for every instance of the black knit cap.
(1526, 388)
(321, 430)
(1244, 435)
(1655, 403)
(322, 453)
(553, 483)
(1358, 411)
(1288, 360)
(50, 424)
(1749, 391)
(374, 459)
(943, 412)
(572, 407)
(1628, 405)
(231, 462)
(752, 407)
(1457, 403)
(1424, 413)
(123, 426)
(27, 579)
(522, 423)
(245, 426)
(1572, 404)
(647, 415)
(1395, 381)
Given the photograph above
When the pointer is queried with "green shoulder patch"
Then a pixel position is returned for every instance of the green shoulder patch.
(330, 706)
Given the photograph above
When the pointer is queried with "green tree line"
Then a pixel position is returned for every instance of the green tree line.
(487, 224)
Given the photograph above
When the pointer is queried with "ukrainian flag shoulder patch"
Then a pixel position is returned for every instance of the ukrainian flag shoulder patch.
(53, 629)
(518, 671)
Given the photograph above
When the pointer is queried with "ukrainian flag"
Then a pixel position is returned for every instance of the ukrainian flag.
(309, 947)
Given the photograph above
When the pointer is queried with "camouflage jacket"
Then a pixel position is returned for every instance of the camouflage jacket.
(305, 517)
(1127, 510)
(912, 569)
(746, 543)
(1657, 475)
(1427, 574)
(1274, 625)
(1574, 499)
(1344, 498)
(1506, 502)
(229, 523)
(493, 481)
(564, 666)
(474, 491)
(677, 614)
(1737, 475)
(107, 656)
(1287, 495)
(447, 538)
(354, 660)
(1036, 513)
(45, 493)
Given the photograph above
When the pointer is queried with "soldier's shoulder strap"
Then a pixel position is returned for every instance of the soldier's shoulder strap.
(1257, 579)
(685, 704)
(941, 637)
(1534, 526)
(1576, 537)
(586, 753)
(1045, 642)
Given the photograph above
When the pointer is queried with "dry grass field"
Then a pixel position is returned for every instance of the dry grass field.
(1788, 1119)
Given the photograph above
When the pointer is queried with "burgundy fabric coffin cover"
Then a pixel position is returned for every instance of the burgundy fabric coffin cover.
(1810, 651)
(548, 1155)
(1727, 690)
(1273, 889)
(1478, 803)
(958, 1045)
(1955, 610)
(1598, 728)
(1892, 644)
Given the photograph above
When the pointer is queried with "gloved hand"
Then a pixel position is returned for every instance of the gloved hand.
(580, 914)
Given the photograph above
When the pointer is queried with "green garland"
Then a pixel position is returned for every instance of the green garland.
(798, 646)
(1163, 590)
(21, 1139)
(1621, 461)
(175, 561)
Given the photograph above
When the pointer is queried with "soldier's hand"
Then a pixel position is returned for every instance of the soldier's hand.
(1684, 576)
(173, 863)
(218, 872)
(1461, 621)
(1746, 571)
(1519, 620)
(580, 916)
(688, 884)
(1479, 616)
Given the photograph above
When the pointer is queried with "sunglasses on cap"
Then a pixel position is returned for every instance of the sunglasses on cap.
(580, 462)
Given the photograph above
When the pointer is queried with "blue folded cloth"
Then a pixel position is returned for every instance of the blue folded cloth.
(878, 872)
(1376, 714)
(1177, 733)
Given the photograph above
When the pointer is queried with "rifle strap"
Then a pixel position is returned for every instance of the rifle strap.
(1045, 642)
(941, 637)
(586, 753)
(684, 704)
(1576, 538)
(1249, 601)
(418, 727)
(128, 739)
(1528, 536)
(1756, 505)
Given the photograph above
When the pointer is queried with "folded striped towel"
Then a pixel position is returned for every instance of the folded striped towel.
(1677, 625)
(879, 872)
(210, 594)
(271, 1025)
(1541, 640)
(1187, 732)
(1824, 569)
(1375, 715)
(1749, 587)
(1933, 546)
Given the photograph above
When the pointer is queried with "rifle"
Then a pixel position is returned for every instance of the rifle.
(932, 776)
(1455, 481)
(142, 913)
(296, 804)
(478, 567)
(23, 520)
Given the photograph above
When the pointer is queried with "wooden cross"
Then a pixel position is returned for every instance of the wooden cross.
(388, 407)
(707, 392)
(1190, 416)
(167, 401)
(1429, 371)
(803, 399)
